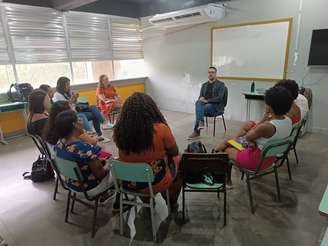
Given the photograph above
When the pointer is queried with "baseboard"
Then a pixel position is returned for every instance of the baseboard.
(319, 130)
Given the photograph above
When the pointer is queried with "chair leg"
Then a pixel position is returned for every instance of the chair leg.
(277, 183)
(296, 156)
(95, 218)
(224, 124)
(214, 127)
(224, 208)
(153, 219)
(67, 205)
(288, 169)
(242, 176)
(183, 205)
(73, 202)
(250, 194)
(206, 120)
(121, 213)
(168, 201)
(56, 188)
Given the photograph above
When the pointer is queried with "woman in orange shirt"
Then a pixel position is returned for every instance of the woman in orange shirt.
(108, 99)
(143, 135)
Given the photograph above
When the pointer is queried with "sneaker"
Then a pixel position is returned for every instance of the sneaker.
(107, 126)
(201, 125)
(194, 135)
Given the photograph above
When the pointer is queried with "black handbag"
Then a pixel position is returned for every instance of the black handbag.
(41, 170)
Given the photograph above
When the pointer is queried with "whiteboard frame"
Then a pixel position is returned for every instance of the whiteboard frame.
(288, 41)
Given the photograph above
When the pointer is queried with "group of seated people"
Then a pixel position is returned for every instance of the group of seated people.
(142, 134)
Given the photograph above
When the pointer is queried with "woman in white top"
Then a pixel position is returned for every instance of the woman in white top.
(63, 93)
(278, 103)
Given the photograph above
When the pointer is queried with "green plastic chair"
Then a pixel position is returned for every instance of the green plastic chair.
(296, 132)
(70, 170)
(135, 172)
(215, 163)
(276, 148)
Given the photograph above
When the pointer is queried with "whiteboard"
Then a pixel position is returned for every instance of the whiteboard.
(252, 51)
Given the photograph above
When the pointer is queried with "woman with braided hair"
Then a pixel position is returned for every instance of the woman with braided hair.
(142, 135)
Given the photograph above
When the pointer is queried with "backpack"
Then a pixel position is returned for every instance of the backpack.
(19, 92)
(41, 170)
(195, 176)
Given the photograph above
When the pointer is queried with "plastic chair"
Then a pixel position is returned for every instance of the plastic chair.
(218, 114)
(70, 170)
(217, 164)
(277, 148)
(135, 172)
(296, 132)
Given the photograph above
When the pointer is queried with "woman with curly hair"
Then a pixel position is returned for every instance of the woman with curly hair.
(143, 135)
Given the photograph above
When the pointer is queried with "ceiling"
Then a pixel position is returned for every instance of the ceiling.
(129, 8)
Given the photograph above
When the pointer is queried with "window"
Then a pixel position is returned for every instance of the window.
(45, 73)
(6, 77)
(125, 69)
(87, 72)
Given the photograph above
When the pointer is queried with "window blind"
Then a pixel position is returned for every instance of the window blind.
(127, 40)
(4, 57)
(89, 36)
(37, 34)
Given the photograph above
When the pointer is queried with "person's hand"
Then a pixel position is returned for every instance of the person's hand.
(251, 145)
(203, 99)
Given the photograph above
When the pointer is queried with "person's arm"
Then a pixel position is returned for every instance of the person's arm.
(265, 130)
(97, 169)
(202, 93)
(220, 95)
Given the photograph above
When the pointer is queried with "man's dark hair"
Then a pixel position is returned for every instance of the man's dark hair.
(45, 87)
(35, 102)
(61, 86)
(49, 134)
(134, 130)
(279, 99)
(64, 123)
(291, 86)
(211, 67)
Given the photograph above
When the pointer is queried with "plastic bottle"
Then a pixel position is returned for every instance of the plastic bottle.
(253, 87)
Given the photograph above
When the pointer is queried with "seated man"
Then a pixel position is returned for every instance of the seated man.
(210, 102)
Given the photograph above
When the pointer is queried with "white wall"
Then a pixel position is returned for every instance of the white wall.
(178, 61)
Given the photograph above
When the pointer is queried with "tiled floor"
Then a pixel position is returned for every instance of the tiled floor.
(29, 216)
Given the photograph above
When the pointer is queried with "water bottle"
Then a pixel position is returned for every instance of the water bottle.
(253, 87)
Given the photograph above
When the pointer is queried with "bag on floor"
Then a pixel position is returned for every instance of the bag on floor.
(195, 176)
(41, 170)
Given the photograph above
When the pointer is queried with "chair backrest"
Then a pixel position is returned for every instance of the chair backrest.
(296, 130)
(69, 169)
(51, 150)
(214, 163)
(133, 172)
(276, 148)
(39, 144)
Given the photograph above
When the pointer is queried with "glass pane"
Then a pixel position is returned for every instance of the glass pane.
(46, 73)
(130, 69)
(88, 72)
(6, 77)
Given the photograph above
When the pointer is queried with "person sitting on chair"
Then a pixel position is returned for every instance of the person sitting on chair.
(38, 107)
(108, 99)
(68, 128)
(279, 126)
(142, 135)
(210, 102)
(48, 89)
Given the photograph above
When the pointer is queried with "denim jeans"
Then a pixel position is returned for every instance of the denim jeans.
(203, 109)
(93, 114)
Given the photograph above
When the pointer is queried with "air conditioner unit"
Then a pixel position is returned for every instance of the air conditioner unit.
(202, 14)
